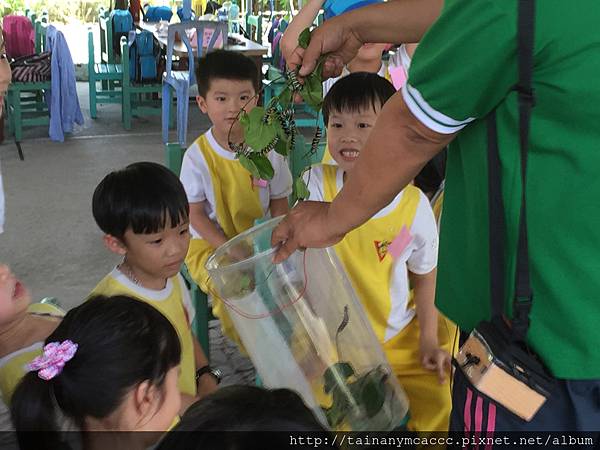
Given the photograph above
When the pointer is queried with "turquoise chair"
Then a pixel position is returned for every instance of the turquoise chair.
(174, 157)
(137, 98)
(104, 73)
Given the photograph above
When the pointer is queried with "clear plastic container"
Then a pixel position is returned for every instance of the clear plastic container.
(304, 329)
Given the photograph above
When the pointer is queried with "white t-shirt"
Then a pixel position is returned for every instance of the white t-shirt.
(198, 184)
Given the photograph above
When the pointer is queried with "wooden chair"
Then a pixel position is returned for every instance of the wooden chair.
(174, 157)
(135, 96)
(26, 103)
(105, 73)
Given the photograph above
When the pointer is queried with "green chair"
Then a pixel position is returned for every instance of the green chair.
(25, 102)
(137, 98)
(105, 73)
(254, 28)
(173, 157)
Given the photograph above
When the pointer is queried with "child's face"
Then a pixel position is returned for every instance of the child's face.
(347, 133)
(14, 296)
(223, 102)
(158, 255)
(370, 52)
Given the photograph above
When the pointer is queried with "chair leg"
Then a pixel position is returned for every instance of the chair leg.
(182, 113)
(17, 117)
(93, 110)
(126, 110)
(20, 150)
(166, 112)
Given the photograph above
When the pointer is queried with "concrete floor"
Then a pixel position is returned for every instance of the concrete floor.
(51, 240)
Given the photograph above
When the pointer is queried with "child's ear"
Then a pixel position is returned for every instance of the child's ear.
(201, 101)
(145, 400)
(114, 244)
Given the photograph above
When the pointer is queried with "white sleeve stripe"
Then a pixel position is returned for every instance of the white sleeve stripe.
(428, 116)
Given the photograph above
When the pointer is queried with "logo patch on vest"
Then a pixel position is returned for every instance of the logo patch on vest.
(382, 249)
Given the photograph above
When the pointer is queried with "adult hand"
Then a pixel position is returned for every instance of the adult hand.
(335, 38)
(307, 225)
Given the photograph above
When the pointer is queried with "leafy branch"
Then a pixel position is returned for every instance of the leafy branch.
(273, 127)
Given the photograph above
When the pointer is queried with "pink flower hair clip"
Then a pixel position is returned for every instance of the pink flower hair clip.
(52, 361)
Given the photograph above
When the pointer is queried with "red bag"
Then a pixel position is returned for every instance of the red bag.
(19, 36)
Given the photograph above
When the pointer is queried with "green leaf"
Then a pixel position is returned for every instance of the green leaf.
(370, 390)
(264, 166)
(304, 38)
(339, 372)
(259, 135)
(312, 91)
(244, 119)
(300, 190)
(249, 165)
(282, 147)
(285, 98)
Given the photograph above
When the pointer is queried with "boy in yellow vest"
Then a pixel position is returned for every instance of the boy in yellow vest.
(394, 251)
(144, 213)
(224, 198)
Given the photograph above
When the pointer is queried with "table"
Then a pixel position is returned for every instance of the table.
(248, 48)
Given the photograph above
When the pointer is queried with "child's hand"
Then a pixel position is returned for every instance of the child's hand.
(435, 359)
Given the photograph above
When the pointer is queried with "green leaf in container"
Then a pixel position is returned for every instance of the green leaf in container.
(372, 394)
(263, 165)
(249, 165)
(300, 189)
(258, 134)
(304, 38)
(336, 375)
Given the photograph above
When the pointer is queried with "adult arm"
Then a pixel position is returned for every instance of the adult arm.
(340, 37)
(397, 149)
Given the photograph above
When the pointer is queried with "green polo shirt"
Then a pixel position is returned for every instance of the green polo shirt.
(465, 66)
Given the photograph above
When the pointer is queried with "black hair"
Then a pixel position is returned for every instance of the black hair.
(230, 418)
(141, 197)
(430, 178)
(121, 342)
(227, 65)
(356, 92)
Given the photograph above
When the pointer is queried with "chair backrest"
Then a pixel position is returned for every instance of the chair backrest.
(254, 27)
(41, 26)
(206, 30)
(106, 36)
(91, 57)
(125, 61)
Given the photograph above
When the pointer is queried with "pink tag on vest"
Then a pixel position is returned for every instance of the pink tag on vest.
(259, 182)
(400, 243)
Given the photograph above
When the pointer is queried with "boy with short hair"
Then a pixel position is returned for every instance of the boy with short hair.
(394, 251)
(144, 213)
(224, 198)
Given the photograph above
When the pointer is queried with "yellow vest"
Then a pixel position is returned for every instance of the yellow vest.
(171, 307)
(363, 252)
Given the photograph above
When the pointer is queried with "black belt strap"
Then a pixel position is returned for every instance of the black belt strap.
(523, 293)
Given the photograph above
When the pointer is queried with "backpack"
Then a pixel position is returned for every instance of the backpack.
(31, 68)
(19, 36)
(122, 24)
(143, 57)
(157, 13)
